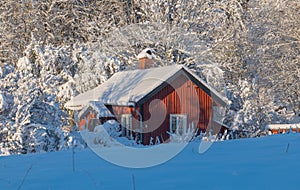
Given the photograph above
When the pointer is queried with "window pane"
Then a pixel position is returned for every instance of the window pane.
(126, 120)
(178, 124)
(173, 124)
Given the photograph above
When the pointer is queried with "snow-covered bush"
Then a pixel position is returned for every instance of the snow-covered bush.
(107, 135)
(112, 127)
(189, 135)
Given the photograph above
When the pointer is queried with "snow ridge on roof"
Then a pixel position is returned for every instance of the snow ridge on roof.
(131, 86)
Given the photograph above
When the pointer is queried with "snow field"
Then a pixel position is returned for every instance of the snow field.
(261, 163)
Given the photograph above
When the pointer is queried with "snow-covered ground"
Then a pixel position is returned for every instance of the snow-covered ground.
(271, 162)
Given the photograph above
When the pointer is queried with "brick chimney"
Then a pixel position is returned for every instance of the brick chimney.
(146, 59)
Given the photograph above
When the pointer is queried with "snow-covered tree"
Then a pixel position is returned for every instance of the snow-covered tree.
(32, 120)
(52, 50)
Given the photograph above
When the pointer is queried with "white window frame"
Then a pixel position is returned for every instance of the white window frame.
(126, 122)
(180, 128)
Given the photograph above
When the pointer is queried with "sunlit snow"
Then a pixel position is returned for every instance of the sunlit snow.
(270, 162)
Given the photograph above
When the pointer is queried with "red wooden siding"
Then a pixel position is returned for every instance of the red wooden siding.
(180, 97)
(87, 117)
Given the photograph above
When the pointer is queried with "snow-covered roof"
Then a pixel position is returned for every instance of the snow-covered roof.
(282, 126)
(132, 86)
(99, 107)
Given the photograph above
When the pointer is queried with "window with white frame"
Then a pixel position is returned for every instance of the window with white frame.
(178, 124)
(126, 122)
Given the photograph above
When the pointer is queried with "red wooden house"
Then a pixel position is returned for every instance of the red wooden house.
(153, 103)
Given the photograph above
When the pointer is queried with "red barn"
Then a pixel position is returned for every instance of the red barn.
(154, 103)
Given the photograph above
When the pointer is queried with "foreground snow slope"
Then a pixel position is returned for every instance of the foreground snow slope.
(271, 162)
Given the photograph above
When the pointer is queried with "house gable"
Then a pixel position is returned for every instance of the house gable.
(195, 79)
